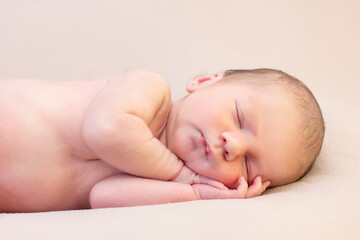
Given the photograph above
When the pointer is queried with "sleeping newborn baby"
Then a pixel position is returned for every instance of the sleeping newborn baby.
(120, 141)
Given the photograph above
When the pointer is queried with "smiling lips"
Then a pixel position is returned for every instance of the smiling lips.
(207, 149)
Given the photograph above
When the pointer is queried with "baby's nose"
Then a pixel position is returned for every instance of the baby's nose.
(234, 145)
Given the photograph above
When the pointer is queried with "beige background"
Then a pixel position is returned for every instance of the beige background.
(316, 41)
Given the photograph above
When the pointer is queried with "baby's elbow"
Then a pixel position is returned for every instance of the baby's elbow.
(100, 197)
(96, 198)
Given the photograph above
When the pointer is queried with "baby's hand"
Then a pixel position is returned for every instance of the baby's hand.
(255, 189)
(203, 191)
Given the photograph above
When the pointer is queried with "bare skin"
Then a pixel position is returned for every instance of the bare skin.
(105, 143)
(120, 141)
(44, 161)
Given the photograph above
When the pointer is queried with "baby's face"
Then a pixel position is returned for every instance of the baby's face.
(226, 130)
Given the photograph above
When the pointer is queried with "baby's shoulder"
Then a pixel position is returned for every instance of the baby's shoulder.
(147, 78)
(148, 85)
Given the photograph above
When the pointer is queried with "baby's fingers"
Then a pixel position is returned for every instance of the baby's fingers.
(238, 193)
(242, 188)
(257, 188)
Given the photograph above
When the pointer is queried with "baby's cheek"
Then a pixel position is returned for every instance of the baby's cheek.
(181, 146)
(229, 175)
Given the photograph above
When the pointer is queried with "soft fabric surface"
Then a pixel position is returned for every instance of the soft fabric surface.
(316, 41)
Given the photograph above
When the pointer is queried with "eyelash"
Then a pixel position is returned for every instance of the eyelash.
(237, 115)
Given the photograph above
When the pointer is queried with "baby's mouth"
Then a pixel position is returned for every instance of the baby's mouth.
(205, 145)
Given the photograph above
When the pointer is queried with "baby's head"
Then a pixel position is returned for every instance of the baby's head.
(247, 123)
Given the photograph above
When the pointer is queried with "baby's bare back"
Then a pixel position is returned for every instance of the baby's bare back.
(44, 162)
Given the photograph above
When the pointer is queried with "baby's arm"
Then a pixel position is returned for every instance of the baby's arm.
(124, 190)
(119, 122)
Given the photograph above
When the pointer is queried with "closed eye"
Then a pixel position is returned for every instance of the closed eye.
(237, 114)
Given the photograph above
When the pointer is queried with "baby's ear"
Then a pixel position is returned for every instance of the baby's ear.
(202, 81)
